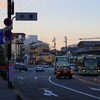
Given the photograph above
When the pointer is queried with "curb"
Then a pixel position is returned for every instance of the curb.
(18, 97)
(21, 95)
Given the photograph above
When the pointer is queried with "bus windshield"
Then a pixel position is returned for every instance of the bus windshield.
(89, 63)
(63, 63)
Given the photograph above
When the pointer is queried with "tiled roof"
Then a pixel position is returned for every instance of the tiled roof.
(90, 43)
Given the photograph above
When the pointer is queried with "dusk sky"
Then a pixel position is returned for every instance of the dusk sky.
(57, 18)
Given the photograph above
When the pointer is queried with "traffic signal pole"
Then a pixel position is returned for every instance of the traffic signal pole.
(9, 8)
(9, 13)
(9, 16)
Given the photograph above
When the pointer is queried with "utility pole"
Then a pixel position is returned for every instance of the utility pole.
(66, 44)
(54, 40)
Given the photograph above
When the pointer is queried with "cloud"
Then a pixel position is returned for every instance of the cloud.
(3, 4)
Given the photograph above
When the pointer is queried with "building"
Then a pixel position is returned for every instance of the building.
(88, 47)
(39, 53)
(28, 40)
(18, 50)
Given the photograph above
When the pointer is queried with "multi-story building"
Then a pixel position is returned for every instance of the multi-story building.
(18, 46)
(39, 53)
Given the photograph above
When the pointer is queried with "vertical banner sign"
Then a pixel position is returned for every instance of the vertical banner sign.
(1, 36)
(11, 72)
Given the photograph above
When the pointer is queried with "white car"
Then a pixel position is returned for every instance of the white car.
(40, 68)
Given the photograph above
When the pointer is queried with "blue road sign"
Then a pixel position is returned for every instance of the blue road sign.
(1, 36)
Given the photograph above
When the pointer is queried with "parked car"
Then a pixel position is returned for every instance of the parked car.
(72, 66)
(40, 68)
(20, 66)
(64, 71)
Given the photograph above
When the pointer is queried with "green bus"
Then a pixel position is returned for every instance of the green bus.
(60, 61)
(88, 65)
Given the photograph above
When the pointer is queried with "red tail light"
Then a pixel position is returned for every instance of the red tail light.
(71, 71)
(58, 72)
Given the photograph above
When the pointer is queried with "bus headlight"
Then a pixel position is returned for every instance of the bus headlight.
(99, 70)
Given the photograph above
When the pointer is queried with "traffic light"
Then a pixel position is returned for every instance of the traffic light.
(7, 35)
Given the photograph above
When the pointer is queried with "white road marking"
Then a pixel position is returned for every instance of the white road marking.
(18, 77)
(95, 89)
(35, 78)
(22, 78)
(44, 88)
(20, 82)
(49, 93)
(89, 95)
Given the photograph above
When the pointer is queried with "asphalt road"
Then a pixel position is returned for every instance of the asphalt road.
(33, 85)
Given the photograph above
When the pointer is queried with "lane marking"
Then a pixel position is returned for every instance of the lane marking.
(20, 82)
(22, 78)
(95, 89)
(89, 95)
(49, 93)
(35, 77)
(44, 88)
(86, 81)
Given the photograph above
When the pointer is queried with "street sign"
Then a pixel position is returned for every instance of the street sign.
(21, 16)
(1, 36)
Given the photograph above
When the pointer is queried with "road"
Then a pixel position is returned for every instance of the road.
(45, 86)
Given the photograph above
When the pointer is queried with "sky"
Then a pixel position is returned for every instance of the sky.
(57, 18)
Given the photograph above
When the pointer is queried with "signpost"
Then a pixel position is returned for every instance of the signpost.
(21, 16)
(11, 72)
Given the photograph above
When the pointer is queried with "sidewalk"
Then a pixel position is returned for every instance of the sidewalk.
(5, 92)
